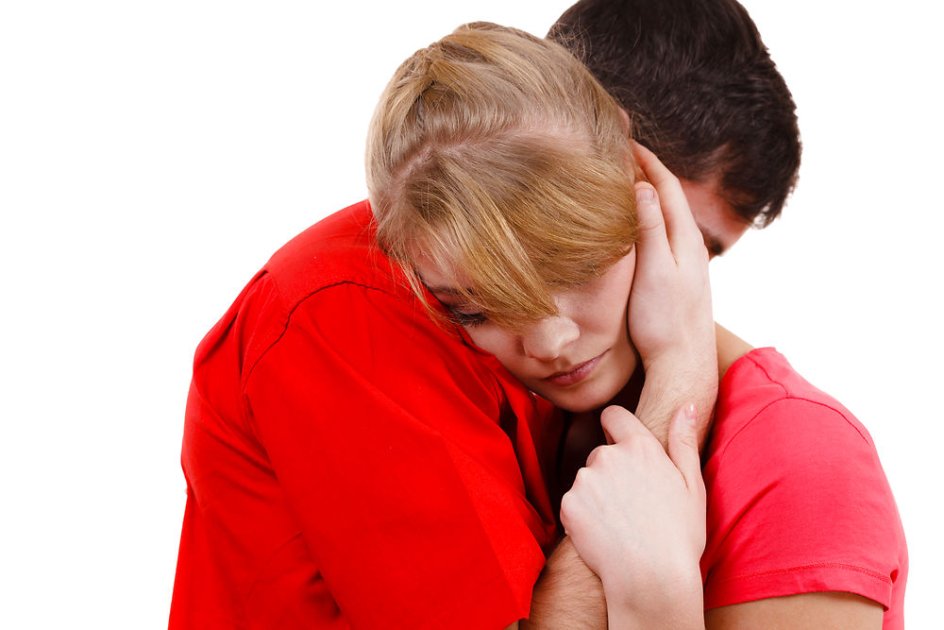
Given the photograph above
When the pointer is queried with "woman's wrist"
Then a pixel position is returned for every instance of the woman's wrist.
(670, 599)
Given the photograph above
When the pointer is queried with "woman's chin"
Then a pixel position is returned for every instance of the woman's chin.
(577, 401)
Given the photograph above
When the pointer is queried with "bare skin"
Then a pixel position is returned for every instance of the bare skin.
(812, 611)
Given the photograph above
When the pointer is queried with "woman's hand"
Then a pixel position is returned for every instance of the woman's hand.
(669, 317)
(637, 518)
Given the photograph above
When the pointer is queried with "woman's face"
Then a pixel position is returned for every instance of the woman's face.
(580, 358)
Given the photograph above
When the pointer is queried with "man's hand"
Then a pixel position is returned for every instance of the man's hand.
(669, 317)
(637, 518)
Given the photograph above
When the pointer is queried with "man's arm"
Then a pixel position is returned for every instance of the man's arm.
(379, 472)
(568, 594)
(669, 319)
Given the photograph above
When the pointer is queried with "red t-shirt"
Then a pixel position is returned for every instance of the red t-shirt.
(349, 462)
(797, 499)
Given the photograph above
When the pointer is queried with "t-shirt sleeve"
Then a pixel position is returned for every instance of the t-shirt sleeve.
(388, 445)
(798, 503)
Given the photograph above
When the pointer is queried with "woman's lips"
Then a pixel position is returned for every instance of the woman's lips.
(579, 373)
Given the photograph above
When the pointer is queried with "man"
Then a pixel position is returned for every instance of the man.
(704, 96)
(352, 461)
(385, 381)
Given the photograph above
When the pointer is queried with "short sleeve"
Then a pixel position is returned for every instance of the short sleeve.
(798, 503)
(387, 441)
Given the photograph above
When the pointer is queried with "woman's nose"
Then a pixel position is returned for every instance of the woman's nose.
(547, 338)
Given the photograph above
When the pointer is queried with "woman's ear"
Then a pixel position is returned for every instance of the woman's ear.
(626, 123)
(631, 164)
(624, 116)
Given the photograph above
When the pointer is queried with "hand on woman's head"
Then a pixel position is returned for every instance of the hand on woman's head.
(669, 317)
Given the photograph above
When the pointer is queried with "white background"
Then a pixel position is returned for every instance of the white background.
(153, 155)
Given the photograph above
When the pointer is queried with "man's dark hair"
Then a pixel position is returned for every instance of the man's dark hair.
(701, 89)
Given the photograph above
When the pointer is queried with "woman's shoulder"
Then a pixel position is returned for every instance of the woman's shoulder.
(797, 497)
(762, 396)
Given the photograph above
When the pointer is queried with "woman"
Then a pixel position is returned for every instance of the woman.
(352, 462)
(356, 460)
(508, 196)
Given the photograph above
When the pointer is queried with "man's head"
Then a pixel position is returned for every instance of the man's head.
(704, 95)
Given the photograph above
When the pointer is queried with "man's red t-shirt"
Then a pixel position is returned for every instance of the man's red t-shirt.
(349, 462)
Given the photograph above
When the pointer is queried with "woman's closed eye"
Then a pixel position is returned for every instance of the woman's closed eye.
(464, 317)
(461, 311)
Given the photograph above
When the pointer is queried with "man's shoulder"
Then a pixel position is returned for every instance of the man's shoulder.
(328, 272)
(339, 249)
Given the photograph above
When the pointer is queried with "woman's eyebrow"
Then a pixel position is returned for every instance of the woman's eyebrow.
(442, 290)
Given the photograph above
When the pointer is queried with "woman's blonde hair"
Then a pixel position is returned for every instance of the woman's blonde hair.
(497, 154)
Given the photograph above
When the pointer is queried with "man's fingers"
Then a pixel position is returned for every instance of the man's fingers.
(683, 446)
(679, 222)
(653, 242)
(655, 171)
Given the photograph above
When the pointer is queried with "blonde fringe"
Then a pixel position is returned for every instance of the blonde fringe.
(498, 154)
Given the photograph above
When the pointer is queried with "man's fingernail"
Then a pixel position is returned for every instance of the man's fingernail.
(690, 413)
(645, 194)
